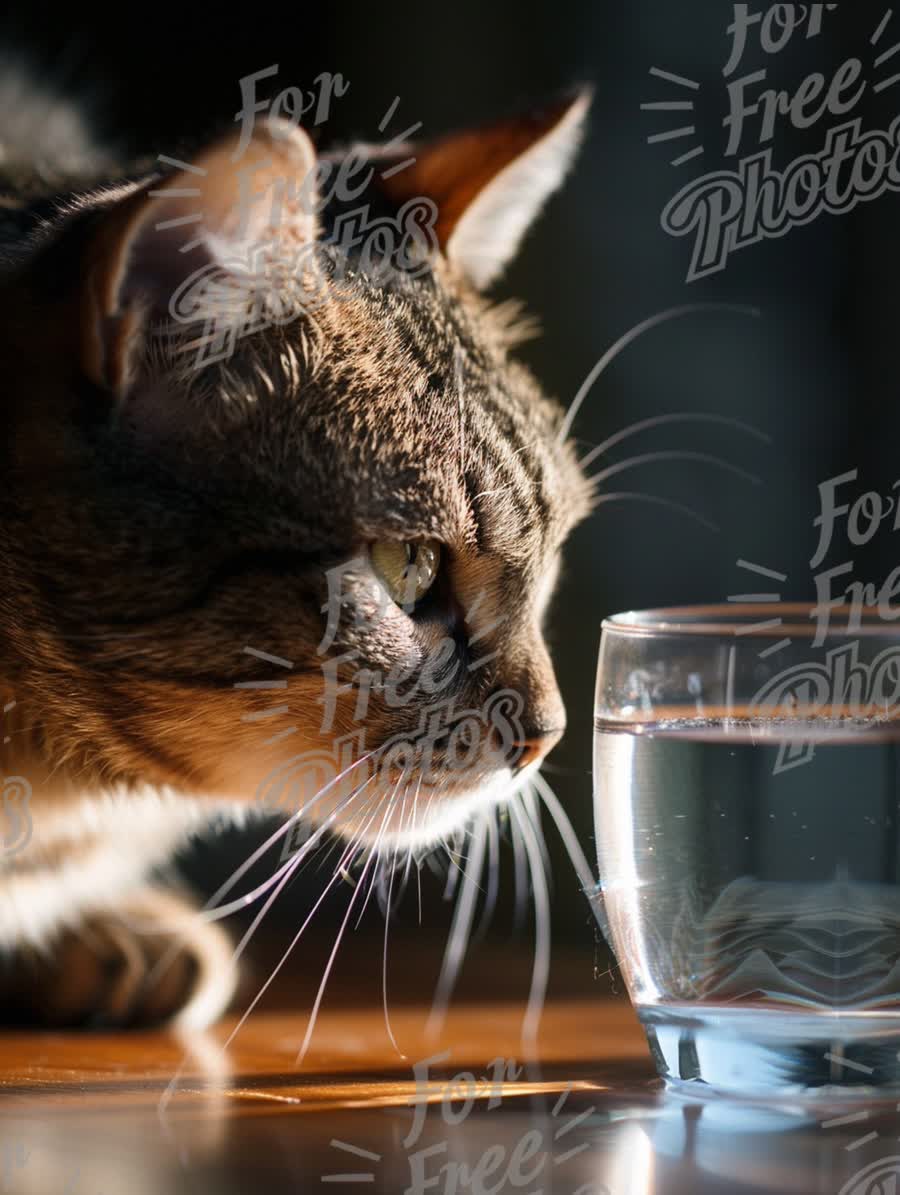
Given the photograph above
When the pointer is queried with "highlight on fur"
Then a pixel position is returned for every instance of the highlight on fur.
(167, 505)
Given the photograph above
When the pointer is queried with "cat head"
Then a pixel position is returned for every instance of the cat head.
(284, 512)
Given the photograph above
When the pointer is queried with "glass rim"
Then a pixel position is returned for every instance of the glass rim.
(759, 620)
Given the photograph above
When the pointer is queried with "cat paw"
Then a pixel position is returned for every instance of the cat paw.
(153, 961)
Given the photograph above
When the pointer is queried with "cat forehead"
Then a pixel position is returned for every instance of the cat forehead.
(459, 473)
(410, 418)
(397, 409)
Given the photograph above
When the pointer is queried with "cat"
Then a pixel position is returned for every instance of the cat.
(232, 539)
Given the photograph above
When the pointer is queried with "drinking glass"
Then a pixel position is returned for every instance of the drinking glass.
(747, 814)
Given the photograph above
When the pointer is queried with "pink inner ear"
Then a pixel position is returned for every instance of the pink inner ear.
(209, 215)
(454, 170)
(155, 264)
(217, 211)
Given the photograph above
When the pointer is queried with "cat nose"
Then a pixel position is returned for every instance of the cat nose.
(533, 750)
(543, 713)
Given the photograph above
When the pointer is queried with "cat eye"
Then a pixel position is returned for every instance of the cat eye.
(406, 569)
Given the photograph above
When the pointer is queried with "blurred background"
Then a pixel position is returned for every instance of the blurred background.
(814, 374)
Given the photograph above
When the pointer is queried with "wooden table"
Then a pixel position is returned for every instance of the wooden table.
(100, 1114)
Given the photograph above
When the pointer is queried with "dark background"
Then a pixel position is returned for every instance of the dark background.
(815, 372)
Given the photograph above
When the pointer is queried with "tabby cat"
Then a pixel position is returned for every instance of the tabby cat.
(230, 546)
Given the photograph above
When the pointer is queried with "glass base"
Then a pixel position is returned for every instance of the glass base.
(762, 1052)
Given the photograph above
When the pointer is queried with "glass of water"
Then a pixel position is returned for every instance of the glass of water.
(747, 811)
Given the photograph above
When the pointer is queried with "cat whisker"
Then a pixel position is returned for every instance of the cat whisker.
(653, 500)
(566, 832)
(384, 960)
(460, 928)
(350, 852)
(242, 870)
(454, 851)
(662, 420)
(375, 798)
(320, 995)
(288, 870)
(414, 822)
(375, 883)
(634, 334)
(407, 821)
(284, 958)
(653, 457)
(172, 1086)
(433, 861)
(532, 809)
(542, 931)
(379, 869)
(558, 769)
(280, 879)
(493, 878)
(520, 873)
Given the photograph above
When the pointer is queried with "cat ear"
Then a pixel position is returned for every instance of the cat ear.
(490, 184)
(207, 218)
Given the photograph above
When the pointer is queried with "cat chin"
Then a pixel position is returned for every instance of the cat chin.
(449, 814)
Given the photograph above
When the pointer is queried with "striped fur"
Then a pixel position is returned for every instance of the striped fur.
(148, 536)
